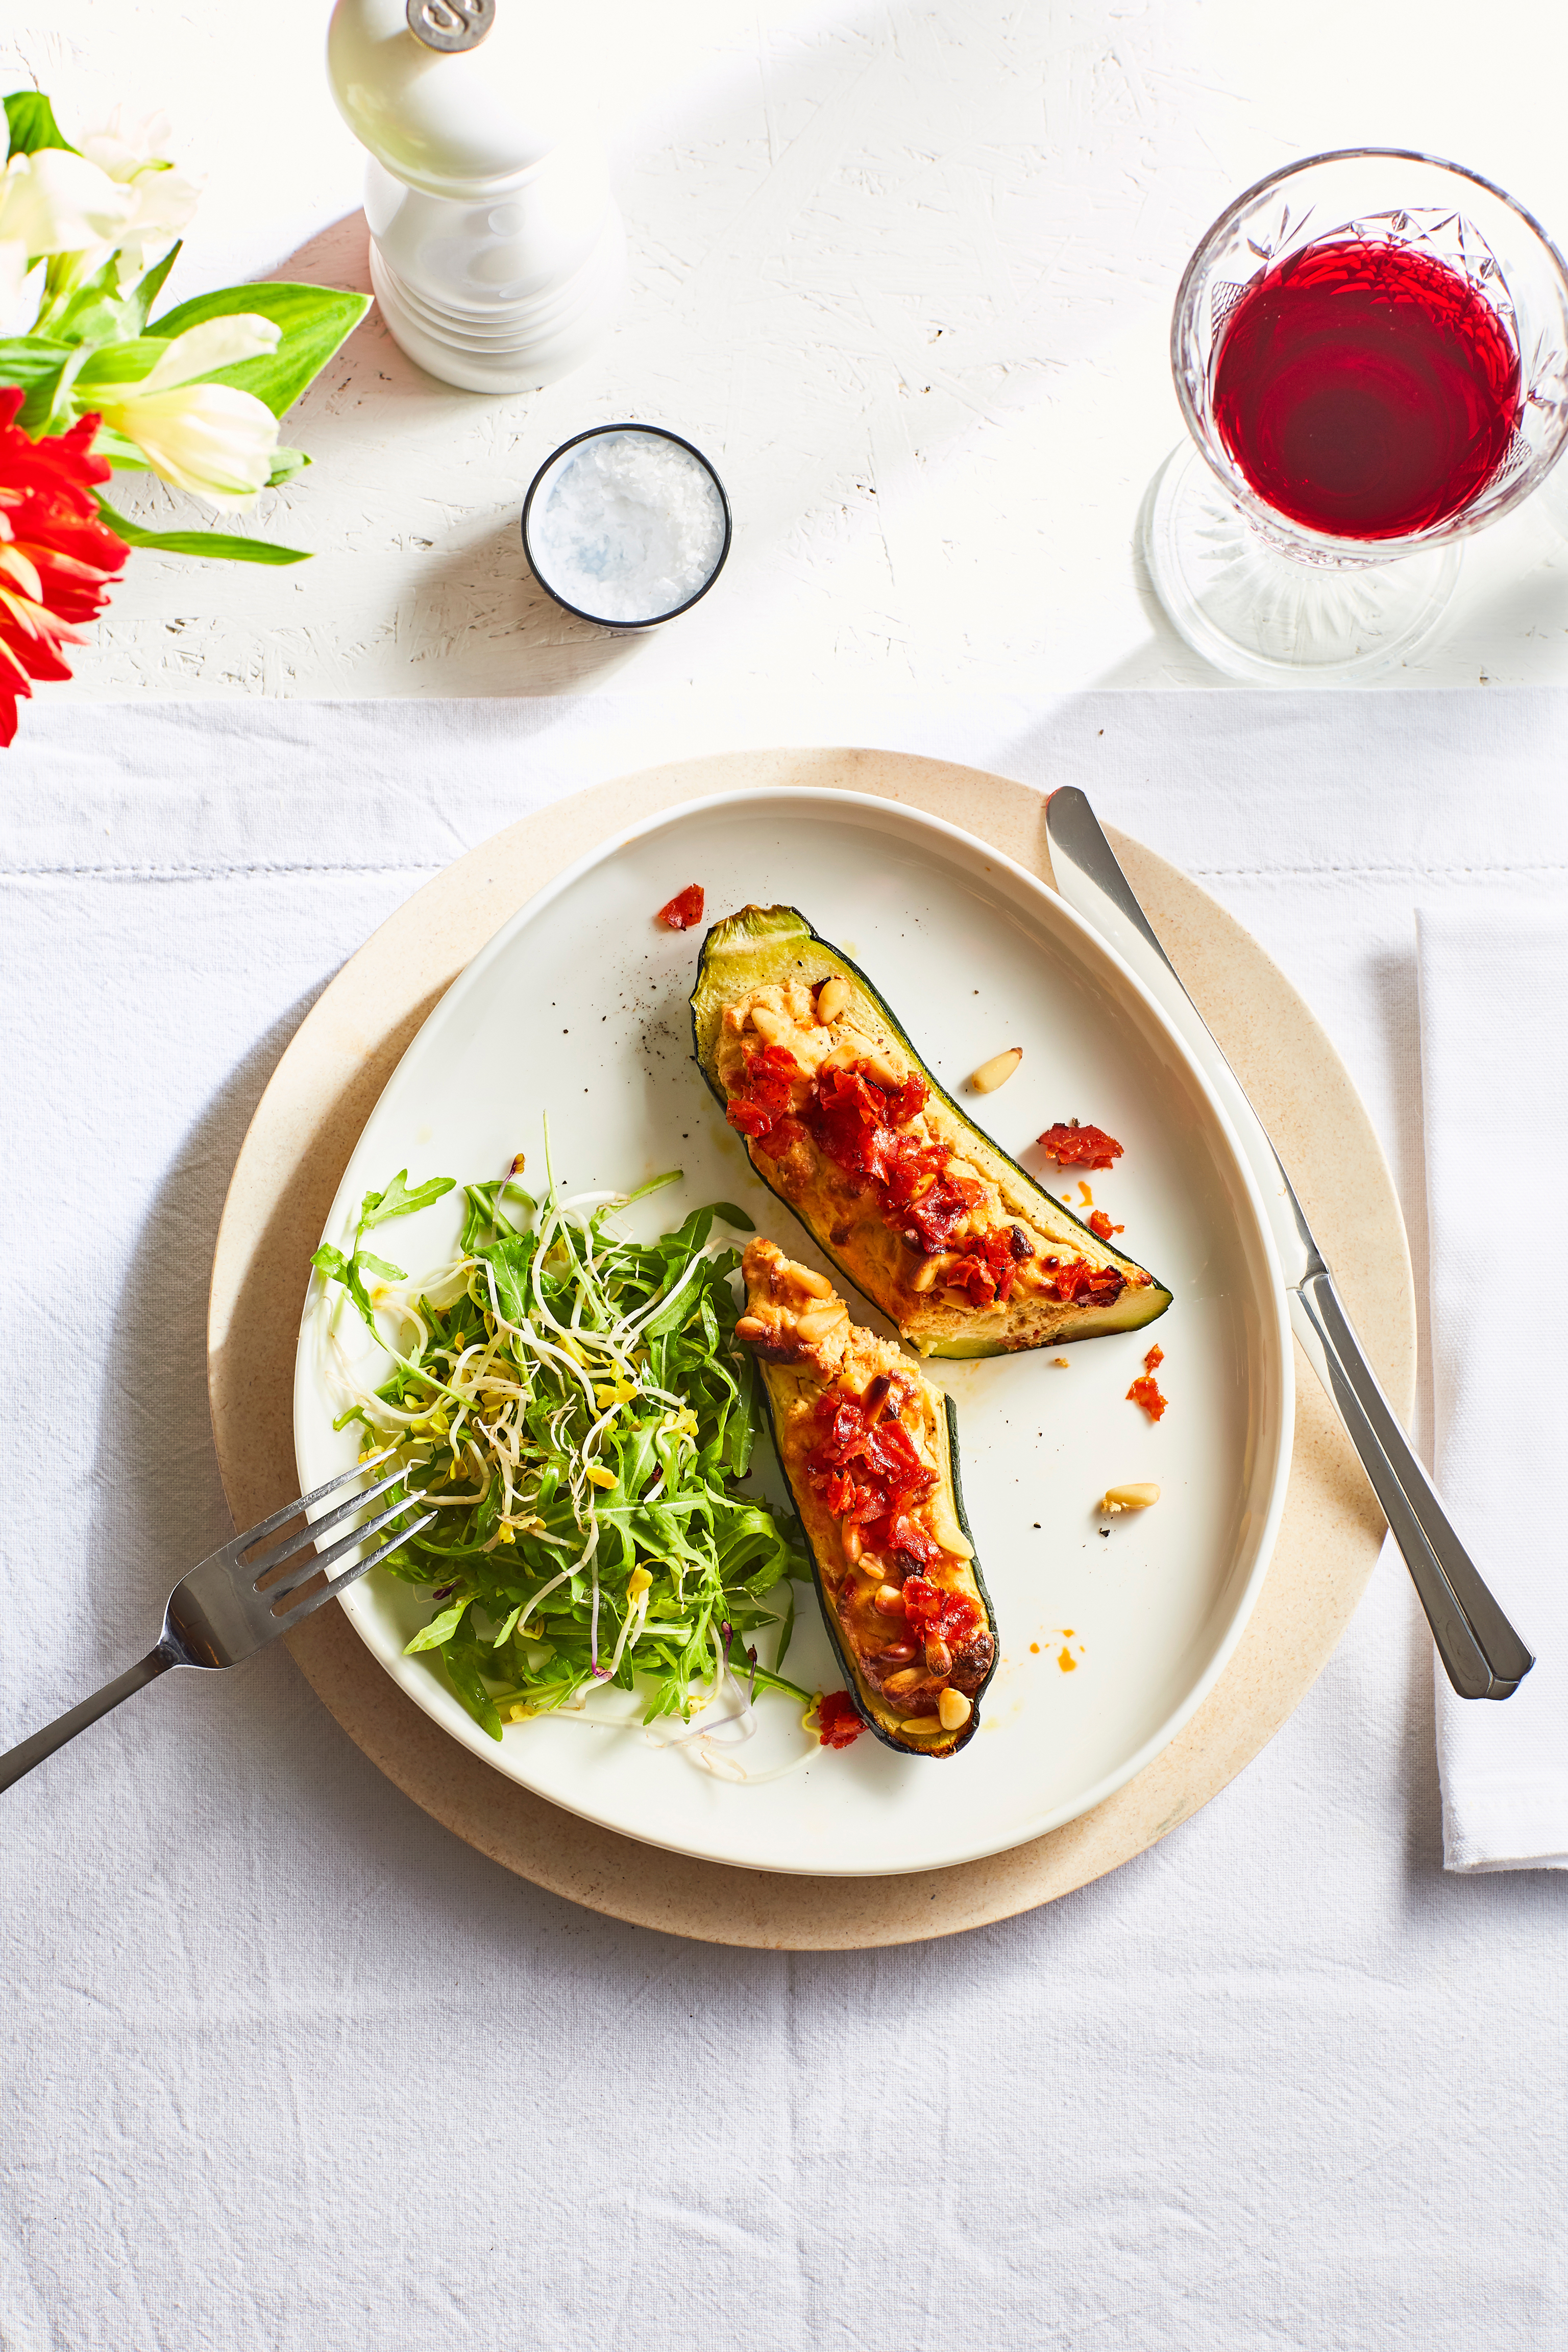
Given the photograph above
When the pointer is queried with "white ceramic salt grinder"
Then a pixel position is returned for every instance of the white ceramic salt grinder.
(496, 250)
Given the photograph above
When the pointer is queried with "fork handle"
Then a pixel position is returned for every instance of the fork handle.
(28, 1752)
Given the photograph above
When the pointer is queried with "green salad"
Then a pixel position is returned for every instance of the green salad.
(577, 1407)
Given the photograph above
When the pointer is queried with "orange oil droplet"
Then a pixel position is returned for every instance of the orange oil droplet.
(1067, 1663)
(1088, 1196)
(1035, 1649)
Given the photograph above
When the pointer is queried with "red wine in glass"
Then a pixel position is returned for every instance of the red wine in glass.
(1366, 390)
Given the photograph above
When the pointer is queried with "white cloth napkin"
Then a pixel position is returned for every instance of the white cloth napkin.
(1494, 1063)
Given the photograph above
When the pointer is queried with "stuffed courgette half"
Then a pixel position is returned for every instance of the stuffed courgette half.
(869, 1449)
(922, 1212)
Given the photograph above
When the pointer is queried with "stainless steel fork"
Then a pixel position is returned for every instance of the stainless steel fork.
(233, 1605)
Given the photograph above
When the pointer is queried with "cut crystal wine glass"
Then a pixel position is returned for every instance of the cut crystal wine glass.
(1263, 596)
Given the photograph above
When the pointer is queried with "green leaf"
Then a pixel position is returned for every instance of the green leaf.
(38, 365)
(29, 359)
(285, 464)
(215, 546)
(125, 363)
(379, 1265)
(440, 1628)
(728, 1214)
(654, 1185)
(399, 1201)
(98, 312)
(31, 120)
(142, 296)
(463, 1673)
(123, 455)
(339, 1268)
(314, 320)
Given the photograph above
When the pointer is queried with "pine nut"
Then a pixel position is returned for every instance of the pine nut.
(774, 1026)
(818, 1322)
(953, 1710)
(850, 1535)
(750, 1326)
(818, 1285)
(944, 1526)
(996, 1071)
(939, 1657)
(1129, 1498)
(905, 1679)
(887, 1601)
(831, 999)
(922, 1726)
(882, 1070)
(928, 1275)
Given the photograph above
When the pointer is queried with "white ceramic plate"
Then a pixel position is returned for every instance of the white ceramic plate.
(578, 1009)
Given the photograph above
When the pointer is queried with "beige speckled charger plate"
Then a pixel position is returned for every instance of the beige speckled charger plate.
(300, 1140)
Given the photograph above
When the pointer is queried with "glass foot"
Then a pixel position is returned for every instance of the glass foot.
(1259, 614)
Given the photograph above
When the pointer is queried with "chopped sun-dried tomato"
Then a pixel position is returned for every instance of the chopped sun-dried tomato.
(838, 1723)
(1145, 1391)
(1101, 1223)
(1073, 1146)
(1154, 1358)
(933, 1611)
(1100, 1285)
(860, 1125)
(865, 1467)
(684, 909)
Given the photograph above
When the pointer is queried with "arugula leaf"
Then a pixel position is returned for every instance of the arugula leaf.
(440, 1628)
(400, 1200)
(31, 121)
(550, 1581)
(339, 1268)
(380, 1265)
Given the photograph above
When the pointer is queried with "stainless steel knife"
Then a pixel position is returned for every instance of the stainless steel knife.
(1483, 1655)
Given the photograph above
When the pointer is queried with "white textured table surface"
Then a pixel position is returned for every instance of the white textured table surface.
(905, 271)
(289, 2069)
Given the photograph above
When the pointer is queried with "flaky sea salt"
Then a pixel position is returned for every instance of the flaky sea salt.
(626, 526)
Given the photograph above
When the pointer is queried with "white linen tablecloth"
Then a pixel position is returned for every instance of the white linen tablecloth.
(288, 2065)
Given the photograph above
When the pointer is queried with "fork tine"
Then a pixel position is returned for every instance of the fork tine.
(301, 1610)
(327, 1524)
(309, 1561)
(291, 1510)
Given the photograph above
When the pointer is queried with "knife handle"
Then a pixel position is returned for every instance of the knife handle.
(1481, 1654)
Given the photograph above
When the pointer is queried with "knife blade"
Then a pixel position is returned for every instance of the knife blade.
(1484, 1657)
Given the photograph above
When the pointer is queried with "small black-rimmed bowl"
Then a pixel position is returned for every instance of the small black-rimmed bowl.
(649, 432)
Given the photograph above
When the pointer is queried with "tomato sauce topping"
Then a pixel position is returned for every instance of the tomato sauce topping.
(856, 1122)
(1073, 1146)
(1145, 1391)
(1099, 1224)
(838, 1725)
(865, 1467)
(684, 909)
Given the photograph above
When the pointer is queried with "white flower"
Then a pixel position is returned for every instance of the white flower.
(163, 199)
(21, 289)
(216, 343)
(123, 149)
(56, 202)
(207, 437)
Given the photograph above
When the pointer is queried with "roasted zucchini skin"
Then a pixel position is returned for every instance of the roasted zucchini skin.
(782, 1386)
(761, 945)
